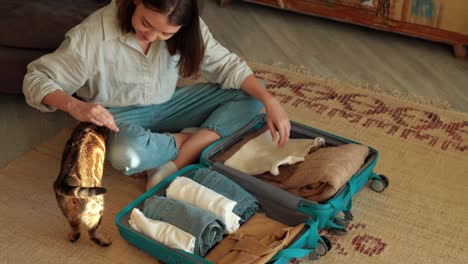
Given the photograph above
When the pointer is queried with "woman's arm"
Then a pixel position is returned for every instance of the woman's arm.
(65, 69)
(52, 79)
(81, 111)
(226, 68)
(277, 119)
(219, 65)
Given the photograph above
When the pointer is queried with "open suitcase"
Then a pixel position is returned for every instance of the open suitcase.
(278, 204)
(305, 244)
(326, 212)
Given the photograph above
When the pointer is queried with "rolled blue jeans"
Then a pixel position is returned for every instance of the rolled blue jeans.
(144, 140)
(203, 225)
(247, 204)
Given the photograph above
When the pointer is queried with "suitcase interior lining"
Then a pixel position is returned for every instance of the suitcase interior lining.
(284, 212)
(274, 202)
(228, 146)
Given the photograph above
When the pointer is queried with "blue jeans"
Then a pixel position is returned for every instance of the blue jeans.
(247, 204)
(144, 142)
(203, 225)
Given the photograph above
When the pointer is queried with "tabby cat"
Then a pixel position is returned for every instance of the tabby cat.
(78, 186)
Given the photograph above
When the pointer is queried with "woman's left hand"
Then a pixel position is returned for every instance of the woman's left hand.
(277, 120)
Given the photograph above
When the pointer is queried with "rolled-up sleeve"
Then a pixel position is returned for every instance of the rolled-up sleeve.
(219, 65)
(65, 69)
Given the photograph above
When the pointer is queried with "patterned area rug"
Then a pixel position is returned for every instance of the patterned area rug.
(421, 218)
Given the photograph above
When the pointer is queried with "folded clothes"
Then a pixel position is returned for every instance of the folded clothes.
(189, 191)
(261, 154)
(162, 232)
(247, 204)
(323, 172)
(256, 241)
(203, 225)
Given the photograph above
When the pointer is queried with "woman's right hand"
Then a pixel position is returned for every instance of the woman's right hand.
(94, 113)
(81, 111)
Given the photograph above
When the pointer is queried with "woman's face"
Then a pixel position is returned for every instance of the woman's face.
(150, 25)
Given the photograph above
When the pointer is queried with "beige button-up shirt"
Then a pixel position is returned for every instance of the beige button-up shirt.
(104, 66)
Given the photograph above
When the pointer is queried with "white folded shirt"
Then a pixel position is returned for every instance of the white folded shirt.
(189, 191)
(162, 232)
(261, 154)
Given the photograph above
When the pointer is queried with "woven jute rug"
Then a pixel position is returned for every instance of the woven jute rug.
(421, 218)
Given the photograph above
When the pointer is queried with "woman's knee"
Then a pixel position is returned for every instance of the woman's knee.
(252, 105)
(134, 149)
(257, 106)
(122, 149)
(122, 156)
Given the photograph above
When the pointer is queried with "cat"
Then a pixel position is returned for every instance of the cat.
(78, 186)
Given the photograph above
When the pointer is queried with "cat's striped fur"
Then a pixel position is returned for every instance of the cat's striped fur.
(78, 186)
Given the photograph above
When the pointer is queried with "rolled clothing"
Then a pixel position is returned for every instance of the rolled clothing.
(207, 229)
(189, 191)
(162, 232)
(247, 204)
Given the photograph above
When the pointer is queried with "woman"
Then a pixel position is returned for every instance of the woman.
(123, 63)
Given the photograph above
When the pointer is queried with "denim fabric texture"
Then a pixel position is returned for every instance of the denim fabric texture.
(203, 225)
(247, 204)
(144, 141)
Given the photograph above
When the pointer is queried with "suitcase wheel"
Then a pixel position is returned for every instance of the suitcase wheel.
(348, 216)
(324, 245)
(340, 221)
(380, 184)
(339, 231)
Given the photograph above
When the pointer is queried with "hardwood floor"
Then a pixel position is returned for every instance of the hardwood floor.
(341, 50)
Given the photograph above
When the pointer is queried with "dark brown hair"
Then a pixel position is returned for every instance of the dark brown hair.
(187, 41)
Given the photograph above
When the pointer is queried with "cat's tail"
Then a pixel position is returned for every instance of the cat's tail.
(80, 192)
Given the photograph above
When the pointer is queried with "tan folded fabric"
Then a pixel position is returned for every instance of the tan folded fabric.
(256, 241)
(317, 181)
(323, 172)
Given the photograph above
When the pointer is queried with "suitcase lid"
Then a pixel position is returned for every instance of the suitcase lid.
(297, 131)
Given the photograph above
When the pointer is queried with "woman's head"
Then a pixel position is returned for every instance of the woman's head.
(173, 21)
(151, 25)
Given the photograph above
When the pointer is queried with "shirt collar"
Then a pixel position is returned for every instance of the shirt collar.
(110, 22)
(112, 30)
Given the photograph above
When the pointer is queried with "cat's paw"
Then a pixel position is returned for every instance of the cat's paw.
(103, 242)
(74, 236)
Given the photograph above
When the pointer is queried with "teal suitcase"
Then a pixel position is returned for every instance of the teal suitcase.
(307, 244)
(276, 203)
(325, 213)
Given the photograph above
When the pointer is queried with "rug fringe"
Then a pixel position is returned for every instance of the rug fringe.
(442, 104)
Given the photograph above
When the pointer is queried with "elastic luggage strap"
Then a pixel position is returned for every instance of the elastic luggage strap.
(346, 203)
(311, 244)
(352, 189)
(291, 253)
(313, 229)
